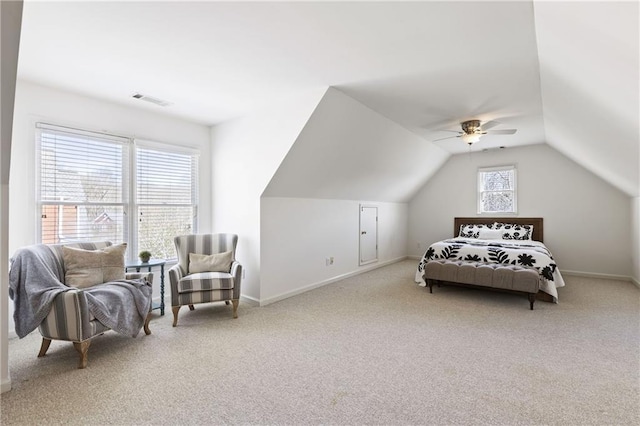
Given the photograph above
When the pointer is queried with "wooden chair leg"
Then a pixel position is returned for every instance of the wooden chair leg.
(44, 347)
(82, 348)
(147, 320)
(235, 308)
(175, 310)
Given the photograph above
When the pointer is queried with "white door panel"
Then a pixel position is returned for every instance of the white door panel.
(368, 234)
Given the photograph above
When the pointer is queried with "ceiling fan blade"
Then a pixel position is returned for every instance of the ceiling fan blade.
(489, 125)
(448, 137)
(502, 132)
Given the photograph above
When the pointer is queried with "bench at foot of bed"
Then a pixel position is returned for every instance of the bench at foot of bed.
(491, 276)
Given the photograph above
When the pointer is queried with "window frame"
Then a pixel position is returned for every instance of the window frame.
(480, 190)
(135, 210)
(129, 200)
(40, 202)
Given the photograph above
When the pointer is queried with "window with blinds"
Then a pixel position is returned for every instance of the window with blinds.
(166, 198)
(95, 187)
(83, 185)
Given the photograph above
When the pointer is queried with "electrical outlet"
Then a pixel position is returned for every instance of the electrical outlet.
(331, 260)
(328, 261)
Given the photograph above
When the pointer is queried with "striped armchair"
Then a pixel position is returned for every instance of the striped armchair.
(190, 288)
(69, 315)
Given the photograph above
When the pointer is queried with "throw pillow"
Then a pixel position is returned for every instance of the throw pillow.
(472, 231)
(218, 262)
(86, 268)
(490, 234)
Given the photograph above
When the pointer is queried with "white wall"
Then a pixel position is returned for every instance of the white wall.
(635, 239)
(298, 234)
(587, 223)
(10, 25)
(245, 153)
(348, 151)
(37, 103)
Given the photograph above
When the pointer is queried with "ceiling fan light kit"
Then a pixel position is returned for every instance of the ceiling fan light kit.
(472, 131)
(471, 138)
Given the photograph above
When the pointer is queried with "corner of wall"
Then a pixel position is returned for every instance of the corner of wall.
(635, 240)
(11, 18)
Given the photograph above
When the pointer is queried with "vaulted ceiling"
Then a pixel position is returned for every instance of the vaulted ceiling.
(562, 73)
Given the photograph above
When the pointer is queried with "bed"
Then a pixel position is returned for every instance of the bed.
(489, 251)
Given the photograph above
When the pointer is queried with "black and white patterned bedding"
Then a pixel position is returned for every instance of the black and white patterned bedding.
(525, 253)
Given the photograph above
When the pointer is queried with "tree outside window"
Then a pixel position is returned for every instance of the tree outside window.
(497, 190)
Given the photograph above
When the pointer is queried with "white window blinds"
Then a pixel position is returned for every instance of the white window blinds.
(93, 186)
(166, 198)
(83, 185)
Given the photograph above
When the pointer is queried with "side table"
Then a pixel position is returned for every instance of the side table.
(150, 264)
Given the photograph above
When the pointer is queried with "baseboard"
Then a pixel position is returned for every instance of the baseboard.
(6, 385)
(249, 300)
(597, 275)
(635, 282)
(309, 287)
(414, 257)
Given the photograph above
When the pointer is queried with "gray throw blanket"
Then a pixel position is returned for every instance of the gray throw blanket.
(36, 277)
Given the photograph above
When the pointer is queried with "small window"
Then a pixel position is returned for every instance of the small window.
(497, 190)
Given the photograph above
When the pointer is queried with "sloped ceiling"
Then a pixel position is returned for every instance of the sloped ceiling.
(424, 65)
(589, 69)
(347, 151)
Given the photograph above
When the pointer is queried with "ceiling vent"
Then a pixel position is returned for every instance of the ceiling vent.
(151, 99)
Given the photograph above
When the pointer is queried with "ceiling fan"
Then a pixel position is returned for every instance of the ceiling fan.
(473, 130)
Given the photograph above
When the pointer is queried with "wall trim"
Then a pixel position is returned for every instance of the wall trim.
(6, 385)
(635, 282)
(596, 275)
(313, 286)
(249, 300)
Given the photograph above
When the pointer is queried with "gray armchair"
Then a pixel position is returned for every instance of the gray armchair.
(44, 300)
(191, 285)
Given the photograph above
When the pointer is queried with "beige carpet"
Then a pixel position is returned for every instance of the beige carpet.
(373, 349)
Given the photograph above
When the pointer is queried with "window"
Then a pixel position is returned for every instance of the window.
(83, 186)
(93, 186)
(497, 190)
(166, 198)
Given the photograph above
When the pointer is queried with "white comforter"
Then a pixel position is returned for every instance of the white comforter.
(512, 252)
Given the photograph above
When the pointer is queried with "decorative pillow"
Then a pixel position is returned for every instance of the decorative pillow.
(218, 262)
(86, 268)
(472, 231)
(490, 234)
(511, 231)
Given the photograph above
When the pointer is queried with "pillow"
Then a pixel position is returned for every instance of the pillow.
(86, 268)
(218, 262)
(472, 231)
(490, 234)
(511, 231)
